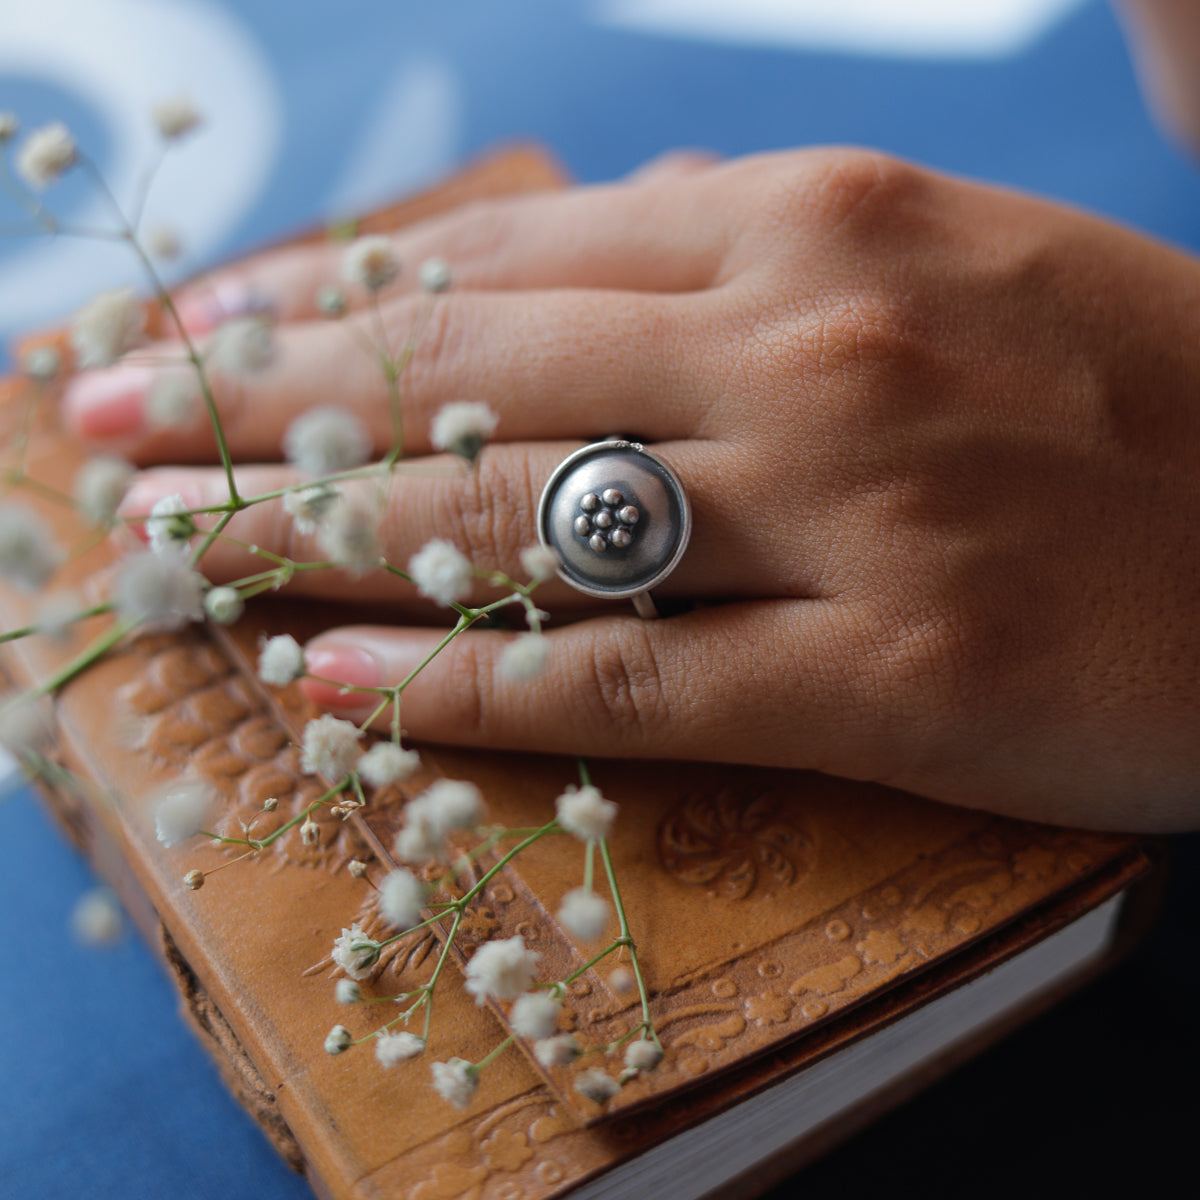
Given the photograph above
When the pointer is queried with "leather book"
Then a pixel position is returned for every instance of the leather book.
(814, 949)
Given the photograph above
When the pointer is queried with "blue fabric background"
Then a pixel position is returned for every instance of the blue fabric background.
(102, 1090)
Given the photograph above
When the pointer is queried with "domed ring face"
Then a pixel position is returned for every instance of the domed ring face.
(617, 517)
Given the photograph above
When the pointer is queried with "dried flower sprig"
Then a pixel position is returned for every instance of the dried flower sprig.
(340, 504)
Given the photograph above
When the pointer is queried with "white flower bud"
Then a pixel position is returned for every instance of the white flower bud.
(310, 832)
(539, 562)
(355, 953)
(106, 327)
(330, 747)
(46, 154)
(597, 1085)
(441, 572)
(194, 880)
(585, 813)
(463, 428)
(456, 1081)
(338, 1039)
(330, 301)
(558, 1051)
(347, 992)
(525, 657)
(42, 363)
(535, 1015)
(223, 605)
(435, 275)
(176, 116)
(386, 763)
(401, 895)
(96, 919)
(643, 1055)
(326, 440)
(584, 914)
(370, 262)
(281, 660)
(392, 1048)
(502, 969)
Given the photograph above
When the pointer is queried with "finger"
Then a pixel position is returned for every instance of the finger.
(550, 364)
(779, 683)
(644, 234)
(488, 513)
(673, 164)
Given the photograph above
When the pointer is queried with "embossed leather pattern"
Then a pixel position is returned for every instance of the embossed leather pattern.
(779, 914)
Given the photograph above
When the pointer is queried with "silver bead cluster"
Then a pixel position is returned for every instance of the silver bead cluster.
(606, 520)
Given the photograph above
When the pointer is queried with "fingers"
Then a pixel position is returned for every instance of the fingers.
(488, 513)
(550, 364)
(643, 235)
(770, 683)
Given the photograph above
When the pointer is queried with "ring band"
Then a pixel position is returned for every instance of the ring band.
(618, 519)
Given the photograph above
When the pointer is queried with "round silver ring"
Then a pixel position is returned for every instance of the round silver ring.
(617, 518)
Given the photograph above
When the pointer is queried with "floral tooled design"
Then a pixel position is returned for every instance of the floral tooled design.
(728, 844)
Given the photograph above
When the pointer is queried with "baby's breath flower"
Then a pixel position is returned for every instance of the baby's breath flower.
(456, 1081)
(330, 301)
(463, 428)
(622, 980)
(525, 657)
(163, 242)
(401, 895)
(441, 572)
(325, 440)
(386, 763)
(309, 505)
(310, 832)
(445, 805)
(349, 534)
(370, 262)
(10, 126)
(169, 525)
(421, 840)
(535, 1015)
(29, 555)
(502, 969)
(57, 613)
(643, 1055)
(42, 363)
(176, 116)
(161, 590)
(558, 1051)
(338, 1039)
(194, 880)
(585, 813)
(46, 154)
(347, 992)
(596, 1084)
(539, 562)
(270, 804)
(392, 1048)
(96, 919)
(106, 327)
(435, 275)
(172, 400)
(583, 914)
(356, 962)
(182, 811)
(223, 605)
(23, 723)
(100, 486)
(281, 660)
(330, 747)
(357, 868)
(242, 346)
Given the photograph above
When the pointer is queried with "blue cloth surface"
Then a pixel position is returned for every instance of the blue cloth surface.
(324, 108)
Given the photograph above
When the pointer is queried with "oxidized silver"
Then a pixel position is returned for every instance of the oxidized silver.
(617, 518)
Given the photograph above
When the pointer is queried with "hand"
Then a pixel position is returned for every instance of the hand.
(942, 444)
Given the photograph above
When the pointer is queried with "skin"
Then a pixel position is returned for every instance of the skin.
(942, 443)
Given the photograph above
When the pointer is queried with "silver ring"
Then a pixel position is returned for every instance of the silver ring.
(618, 520)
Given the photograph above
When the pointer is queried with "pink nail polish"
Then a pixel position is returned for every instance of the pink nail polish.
(108, 403)
(345, 663)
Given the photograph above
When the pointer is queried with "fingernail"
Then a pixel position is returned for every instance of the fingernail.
(109, 403)
(347, 663)
(202, 311)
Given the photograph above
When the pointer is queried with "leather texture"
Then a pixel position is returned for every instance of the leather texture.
(779, 915)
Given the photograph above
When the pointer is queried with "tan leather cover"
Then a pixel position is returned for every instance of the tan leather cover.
(779, 915)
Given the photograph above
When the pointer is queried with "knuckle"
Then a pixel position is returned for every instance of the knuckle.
(862, 189)
(627, 684)
(477, 232)
(490, 514)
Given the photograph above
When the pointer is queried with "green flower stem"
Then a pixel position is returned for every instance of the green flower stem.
(627, 939)
(17, 477)
(616, 944)
(441, 962)
(589, 862)
(495, 1054)
(129, 233)
(104, 643)
(13, 634)
(262, 843)
(211, 536)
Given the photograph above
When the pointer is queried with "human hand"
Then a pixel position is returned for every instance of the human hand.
(941, 441)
